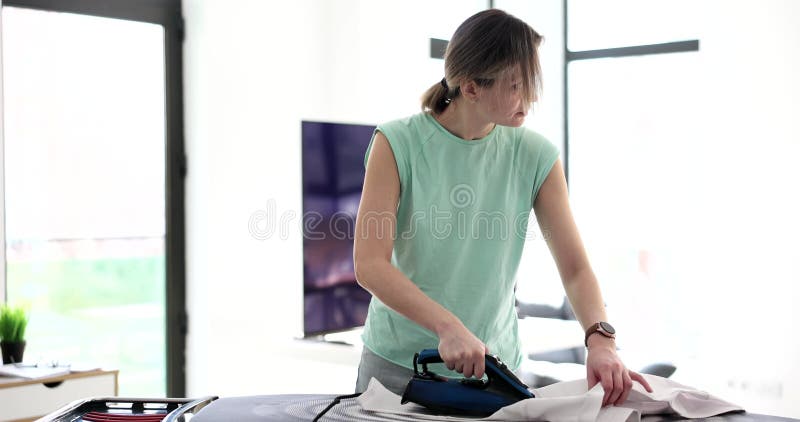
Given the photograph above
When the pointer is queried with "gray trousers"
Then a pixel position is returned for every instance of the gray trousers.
(391, 375)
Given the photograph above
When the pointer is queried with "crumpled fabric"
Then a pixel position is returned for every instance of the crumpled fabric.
(568, 401)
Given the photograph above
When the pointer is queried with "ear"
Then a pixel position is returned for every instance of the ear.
(470, 91)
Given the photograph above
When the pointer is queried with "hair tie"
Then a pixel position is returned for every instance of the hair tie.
(446, 99)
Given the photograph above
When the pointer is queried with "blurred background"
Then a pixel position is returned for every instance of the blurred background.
(677, 120)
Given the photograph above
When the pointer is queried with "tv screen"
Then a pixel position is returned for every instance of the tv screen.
(333, 175)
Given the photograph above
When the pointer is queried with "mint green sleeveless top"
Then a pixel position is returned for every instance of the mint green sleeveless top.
(462, 222)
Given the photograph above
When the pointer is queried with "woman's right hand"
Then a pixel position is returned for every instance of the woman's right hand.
(462, 351)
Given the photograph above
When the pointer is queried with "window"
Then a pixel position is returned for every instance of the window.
(93, 213)
(680, 171)
(633, 158)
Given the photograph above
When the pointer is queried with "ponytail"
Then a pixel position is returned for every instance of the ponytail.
(438, 97)
(484, 46)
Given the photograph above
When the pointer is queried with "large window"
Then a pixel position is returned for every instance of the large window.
(90, 199)
(679, 150)
(634, 161)
(595, 25)
(635, 158)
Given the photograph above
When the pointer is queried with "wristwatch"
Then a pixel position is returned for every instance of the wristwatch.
(601, 327)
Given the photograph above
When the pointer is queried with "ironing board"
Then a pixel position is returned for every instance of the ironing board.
(304, 407)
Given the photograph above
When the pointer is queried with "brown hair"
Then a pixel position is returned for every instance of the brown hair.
(486, 44)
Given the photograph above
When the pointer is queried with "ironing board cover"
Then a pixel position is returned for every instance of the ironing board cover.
(304, 407)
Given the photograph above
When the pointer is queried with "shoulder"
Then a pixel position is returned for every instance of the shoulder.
(534, 140)
(407, 133)
(533, 146)
(414, 124)
(534, 152)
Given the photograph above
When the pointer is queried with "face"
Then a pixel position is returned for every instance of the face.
(503, 102)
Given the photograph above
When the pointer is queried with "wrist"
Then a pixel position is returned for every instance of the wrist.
(447, 326)
(602, 328)
(597, 340)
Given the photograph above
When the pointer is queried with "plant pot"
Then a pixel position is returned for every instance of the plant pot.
(12, 351)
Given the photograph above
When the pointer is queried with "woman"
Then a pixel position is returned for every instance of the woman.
(440, 227)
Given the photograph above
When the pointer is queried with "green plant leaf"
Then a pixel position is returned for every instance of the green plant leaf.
(13, 321)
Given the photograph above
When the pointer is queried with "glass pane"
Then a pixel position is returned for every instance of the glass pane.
(85, 144)
(620, 23)
(684, 198)
(638, 190)
(684, 189)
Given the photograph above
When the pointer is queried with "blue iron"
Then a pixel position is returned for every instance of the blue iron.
(466, 396)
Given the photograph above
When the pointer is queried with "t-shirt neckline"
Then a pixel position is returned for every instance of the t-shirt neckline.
(455, 138)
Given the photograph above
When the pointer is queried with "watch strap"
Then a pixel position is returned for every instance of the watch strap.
(596, 328)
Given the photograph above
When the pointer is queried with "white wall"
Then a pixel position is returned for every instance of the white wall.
(254, 69)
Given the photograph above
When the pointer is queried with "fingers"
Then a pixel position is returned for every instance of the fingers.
(468, 365)
(627, 384)
(474, 366)
(616, 391)
(462, 352)
(480, 367)
(607, 381)
(617, 385)
(469, 369)
(635, 376)
(604, 366)
(591, 378)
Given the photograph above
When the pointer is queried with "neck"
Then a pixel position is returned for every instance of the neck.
(463, 121)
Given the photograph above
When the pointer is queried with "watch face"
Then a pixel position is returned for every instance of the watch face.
(607, 327)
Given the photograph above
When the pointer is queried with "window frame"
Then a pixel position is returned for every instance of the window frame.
(635, 50)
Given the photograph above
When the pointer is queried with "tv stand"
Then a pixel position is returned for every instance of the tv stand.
(350, 338)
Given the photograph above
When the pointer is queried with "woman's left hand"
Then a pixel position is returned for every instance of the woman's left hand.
(604, 366)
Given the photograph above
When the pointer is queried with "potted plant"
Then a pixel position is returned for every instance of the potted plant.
(13, 321)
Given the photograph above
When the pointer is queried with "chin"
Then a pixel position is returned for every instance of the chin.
(514, 122)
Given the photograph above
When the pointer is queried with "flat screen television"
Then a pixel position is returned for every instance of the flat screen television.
(333, 176)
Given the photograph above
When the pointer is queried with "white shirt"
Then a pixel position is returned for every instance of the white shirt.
(568, 401)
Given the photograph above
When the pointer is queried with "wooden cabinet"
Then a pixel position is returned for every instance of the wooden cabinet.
(25, 399)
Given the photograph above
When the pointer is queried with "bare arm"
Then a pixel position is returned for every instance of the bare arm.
(374, 239)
